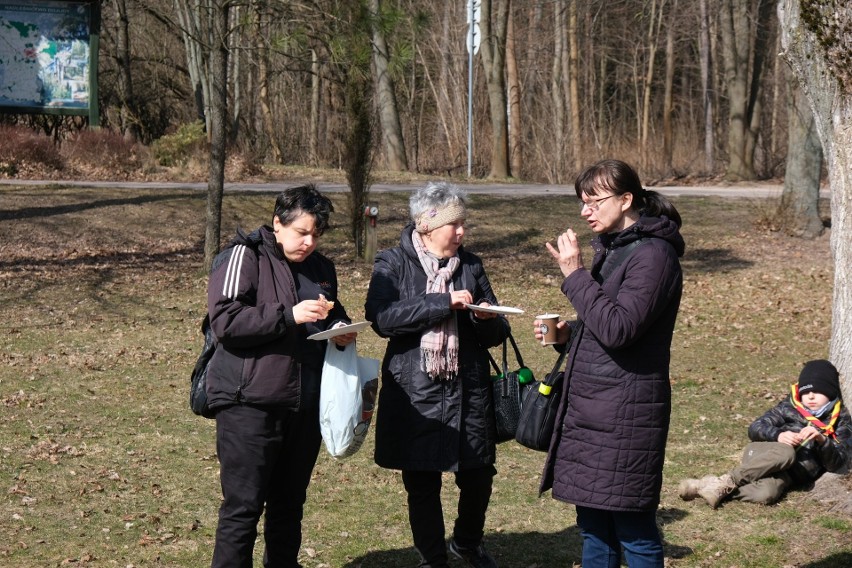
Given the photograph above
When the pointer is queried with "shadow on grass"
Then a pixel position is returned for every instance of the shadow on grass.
(834, 561)
(108, 262)
(509, 549)
(49, 211)
(526, 240)
(532, 549)
(713, 260)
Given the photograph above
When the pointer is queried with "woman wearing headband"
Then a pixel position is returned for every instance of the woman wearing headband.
(435, 404)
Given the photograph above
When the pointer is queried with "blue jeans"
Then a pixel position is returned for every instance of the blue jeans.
(607, 533)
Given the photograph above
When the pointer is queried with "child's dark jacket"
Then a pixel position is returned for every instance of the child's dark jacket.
(814, 459)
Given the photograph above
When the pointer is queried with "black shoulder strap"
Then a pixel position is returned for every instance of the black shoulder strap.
(505, 370)
(616, 257)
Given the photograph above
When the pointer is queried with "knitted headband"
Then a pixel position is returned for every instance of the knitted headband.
(435, 218)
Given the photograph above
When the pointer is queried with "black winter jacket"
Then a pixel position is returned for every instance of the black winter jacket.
(263, 357)
(609, 445)
(421, 424)
(812, 460)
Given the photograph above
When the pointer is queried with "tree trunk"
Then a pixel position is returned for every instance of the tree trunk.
(493, 49)
(654, 21)
(707, 90)
(316, 98)
(799, 209)
(236, 86)
(195, 37)
(831, 104)
(745, 35)
(127, 113)
(515, 137)
(668, 132)
(557, 100)
(573, 86)
(388, 112)
(218, 127)
(263, 85)
(735, 46)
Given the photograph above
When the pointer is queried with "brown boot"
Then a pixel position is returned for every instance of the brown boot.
(717, 490)
(689, 488)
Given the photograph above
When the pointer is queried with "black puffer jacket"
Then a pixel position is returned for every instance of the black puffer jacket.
(608, 448)
(812, 460)
(263, 357)
(421, 424)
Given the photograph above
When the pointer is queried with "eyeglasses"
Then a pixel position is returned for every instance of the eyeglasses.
(594, 204)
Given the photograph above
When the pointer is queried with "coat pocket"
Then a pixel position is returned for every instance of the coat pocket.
(596, 405)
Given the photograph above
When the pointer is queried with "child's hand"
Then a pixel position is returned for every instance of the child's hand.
(789, 438)
(809, 433)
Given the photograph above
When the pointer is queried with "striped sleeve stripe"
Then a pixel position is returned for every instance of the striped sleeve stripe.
(232, 276)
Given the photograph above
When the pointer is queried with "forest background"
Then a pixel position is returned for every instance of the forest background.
(680, 88)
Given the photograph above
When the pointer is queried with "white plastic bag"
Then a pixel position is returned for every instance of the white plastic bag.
(347, 398)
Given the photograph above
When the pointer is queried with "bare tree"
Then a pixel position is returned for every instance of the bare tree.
(655, 21)
(745, 34)
(817, 41)
(573, 85)
(129, 121)
(385, 94)
(560, 35)
(262, 32)
(514, 84)
(706, 59)
(668, 103)
(218, 73)
(495, 19)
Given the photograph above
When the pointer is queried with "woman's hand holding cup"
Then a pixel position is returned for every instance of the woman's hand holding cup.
(549, 330)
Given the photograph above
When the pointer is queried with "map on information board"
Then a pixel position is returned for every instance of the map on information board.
(44, 54)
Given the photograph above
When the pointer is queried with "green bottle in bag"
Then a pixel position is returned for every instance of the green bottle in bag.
(525, 376)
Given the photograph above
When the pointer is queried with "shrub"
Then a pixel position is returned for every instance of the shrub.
(25, 151)
(175, 149)
(103, 151)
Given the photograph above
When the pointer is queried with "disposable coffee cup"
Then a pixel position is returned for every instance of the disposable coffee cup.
(547, 327)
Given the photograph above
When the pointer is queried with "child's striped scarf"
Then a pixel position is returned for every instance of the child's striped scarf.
(827, 429)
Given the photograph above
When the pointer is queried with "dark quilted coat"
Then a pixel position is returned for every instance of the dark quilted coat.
(609, 445)
(421, 424)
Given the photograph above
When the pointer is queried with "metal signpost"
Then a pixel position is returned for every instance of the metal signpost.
(473, 38)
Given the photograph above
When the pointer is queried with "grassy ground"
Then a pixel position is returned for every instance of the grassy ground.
(102, 463)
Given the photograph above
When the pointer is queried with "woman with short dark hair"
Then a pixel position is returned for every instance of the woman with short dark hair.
(267, 292)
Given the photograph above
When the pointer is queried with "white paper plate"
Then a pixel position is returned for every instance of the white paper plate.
(495, 309)
(329, 333)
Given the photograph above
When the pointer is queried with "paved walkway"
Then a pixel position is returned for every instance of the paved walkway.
(751, 190)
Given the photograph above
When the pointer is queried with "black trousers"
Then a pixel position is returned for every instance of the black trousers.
(266, 457)
(426, 515)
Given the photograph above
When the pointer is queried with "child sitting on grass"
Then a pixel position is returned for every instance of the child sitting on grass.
(802, 437)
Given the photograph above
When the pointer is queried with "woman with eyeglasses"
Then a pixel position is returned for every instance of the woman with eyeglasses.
(606, 455)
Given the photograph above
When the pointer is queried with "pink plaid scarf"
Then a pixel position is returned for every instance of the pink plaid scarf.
(439, 345)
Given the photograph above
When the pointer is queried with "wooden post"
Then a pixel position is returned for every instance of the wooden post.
(371, 237)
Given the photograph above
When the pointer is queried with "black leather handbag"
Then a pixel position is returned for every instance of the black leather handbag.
(538, 413)
(509, 388)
